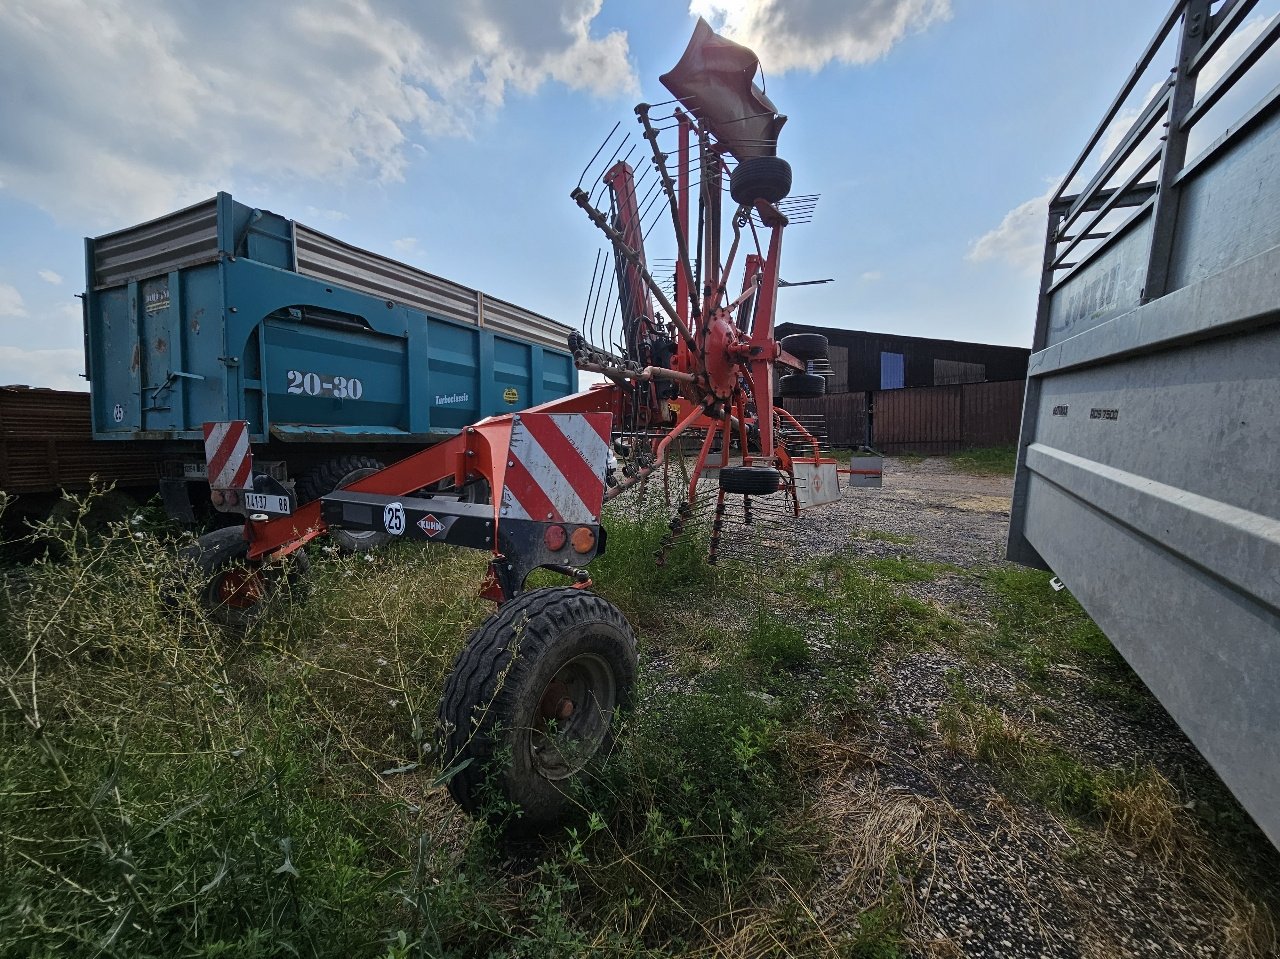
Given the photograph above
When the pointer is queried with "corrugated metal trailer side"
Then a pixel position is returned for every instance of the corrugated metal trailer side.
(46, 444)
(1149, 467)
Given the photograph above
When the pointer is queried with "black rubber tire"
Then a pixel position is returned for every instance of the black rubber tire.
(802, 385)
(805, 346)
(215, 555)
(493, 697)
(336, 474)
(760, 178)
(750, 480)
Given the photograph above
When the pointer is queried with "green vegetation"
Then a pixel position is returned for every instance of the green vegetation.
(906, 569)
(883, 536)
(168, 788)
(991, 461)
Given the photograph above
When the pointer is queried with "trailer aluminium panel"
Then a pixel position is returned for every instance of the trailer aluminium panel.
(1149, 463)
(223, 312)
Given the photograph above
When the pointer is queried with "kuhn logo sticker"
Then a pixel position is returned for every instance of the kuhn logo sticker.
(431, 526)
(393, 518)
(450, 398)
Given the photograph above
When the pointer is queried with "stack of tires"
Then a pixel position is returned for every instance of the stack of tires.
(808, 347)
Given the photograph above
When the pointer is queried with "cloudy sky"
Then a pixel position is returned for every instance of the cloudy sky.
(449, 134)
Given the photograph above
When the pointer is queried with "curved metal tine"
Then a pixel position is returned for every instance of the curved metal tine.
(668, 186)
(613, 276)
(599, 150)
(586, 308)
(596, 307)
(600, 184)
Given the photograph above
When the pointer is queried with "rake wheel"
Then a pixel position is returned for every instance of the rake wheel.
(760, 178)
(750, 480)
(805, 346)
(802, 385)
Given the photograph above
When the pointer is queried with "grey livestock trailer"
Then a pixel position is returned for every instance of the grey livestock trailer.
(1149, 461)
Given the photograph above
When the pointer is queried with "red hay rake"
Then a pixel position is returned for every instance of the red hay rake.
(539, 682)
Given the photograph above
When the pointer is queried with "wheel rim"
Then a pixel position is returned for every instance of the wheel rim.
(358, 536)
(572, 716)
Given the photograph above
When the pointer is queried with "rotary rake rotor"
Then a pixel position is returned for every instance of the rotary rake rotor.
(694, 352)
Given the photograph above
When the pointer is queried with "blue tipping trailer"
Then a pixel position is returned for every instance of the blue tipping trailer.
(224, 312)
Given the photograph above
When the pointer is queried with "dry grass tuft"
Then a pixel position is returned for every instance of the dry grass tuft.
(1148, 816)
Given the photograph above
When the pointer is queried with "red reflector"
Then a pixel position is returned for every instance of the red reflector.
(555, 537)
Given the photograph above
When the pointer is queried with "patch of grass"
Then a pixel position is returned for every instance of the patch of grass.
(868, 612)
(774, 644)
(883, 536)
(1039, 630)
(170, 789)
(988, 461)
(191, 792)
(1138, 805)
(908, 569)
(909, 459)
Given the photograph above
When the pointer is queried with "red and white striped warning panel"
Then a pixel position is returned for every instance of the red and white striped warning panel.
(556, 468)
(227, 453)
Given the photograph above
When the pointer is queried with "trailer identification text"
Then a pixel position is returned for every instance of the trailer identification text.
(313, 384)
(448, 398)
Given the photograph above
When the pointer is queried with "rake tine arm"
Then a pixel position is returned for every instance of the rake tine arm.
(601, 221)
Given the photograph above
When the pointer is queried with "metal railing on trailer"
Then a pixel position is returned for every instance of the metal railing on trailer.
(1148, 452)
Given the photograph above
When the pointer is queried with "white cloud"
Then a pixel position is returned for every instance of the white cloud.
(334, 216)
(1019, 239)
(56, 369)
(162, 102)
(808, 34)
(11, 301)
(406, 244)
(50, 277)
(871, 276)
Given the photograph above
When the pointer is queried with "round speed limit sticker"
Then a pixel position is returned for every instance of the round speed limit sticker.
(393, 518)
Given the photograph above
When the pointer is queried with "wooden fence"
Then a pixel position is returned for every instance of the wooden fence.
(927, 419)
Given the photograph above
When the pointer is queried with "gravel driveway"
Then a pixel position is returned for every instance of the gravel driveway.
(999, 875)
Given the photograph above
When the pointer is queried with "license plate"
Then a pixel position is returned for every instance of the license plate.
(195, 470)
(266, 503)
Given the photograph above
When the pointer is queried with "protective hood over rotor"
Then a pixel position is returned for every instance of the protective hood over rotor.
(714, 80)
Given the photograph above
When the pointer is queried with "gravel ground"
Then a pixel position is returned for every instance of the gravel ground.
(998, 876)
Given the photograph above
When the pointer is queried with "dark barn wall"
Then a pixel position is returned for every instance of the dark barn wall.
(858, 353)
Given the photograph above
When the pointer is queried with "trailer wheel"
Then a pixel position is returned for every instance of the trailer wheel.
(802, 385)
(532, 699)
(805, 346)
(336, 474)
(760, 178)
(750, 480)
(235, 592)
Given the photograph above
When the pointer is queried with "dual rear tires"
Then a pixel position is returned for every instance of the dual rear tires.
(334, 475)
